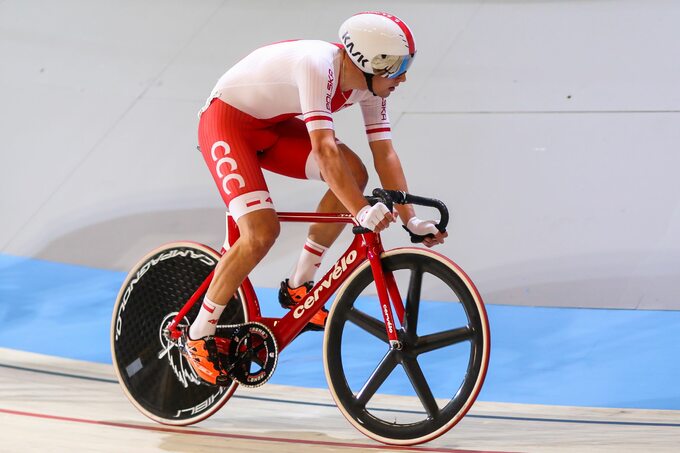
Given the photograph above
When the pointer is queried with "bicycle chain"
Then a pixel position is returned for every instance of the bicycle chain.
(251, 355)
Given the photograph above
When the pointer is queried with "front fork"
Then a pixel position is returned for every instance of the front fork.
(387, 289)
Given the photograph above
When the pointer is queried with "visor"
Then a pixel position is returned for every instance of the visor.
(391, 66)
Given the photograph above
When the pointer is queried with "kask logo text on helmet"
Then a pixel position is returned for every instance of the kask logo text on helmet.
(349, 45)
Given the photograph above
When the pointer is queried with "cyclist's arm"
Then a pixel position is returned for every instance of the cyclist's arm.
(316, 84)
(335, 170)
(385, 159)
(391, 174)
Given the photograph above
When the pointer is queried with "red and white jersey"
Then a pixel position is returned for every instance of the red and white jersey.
(298, 78)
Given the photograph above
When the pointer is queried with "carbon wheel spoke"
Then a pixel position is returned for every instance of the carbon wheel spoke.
(420, 385)
(368, 323)
(439, 340)
(382, 371)
(413, 301)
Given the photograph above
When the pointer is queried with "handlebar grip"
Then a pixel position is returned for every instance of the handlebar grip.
(384, 197)
(379, 196)
(388, 197)
(432, 203)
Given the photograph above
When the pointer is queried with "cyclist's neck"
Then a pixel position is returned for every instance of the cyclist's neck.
(351, 77)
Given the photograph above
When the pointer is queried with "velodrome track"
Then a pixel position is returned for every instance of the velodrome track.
(78, 406)
(554, 151)
(51, 403)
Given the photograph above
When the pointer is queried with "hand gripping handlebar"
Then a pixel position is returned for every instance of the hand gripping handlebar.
(389, 197)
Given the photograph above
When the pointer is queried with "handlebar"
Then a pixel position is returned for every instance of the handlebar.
(389, 197)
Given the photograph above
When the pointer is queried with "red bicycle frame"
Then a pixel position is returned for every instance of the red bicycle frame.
(365, 246)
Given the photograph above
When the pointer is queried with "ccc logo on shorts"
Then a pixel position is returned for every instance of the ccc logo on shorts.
(231, 167)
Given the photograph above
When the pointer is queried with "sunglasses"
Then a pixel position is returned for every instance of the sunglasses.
(392, 66)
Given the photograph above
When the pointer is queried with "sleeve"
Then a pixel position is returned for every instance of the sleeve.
(316, 85)
(376, 120)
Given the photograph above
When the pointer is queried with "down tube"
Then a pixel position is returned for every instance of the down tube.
(293, 323)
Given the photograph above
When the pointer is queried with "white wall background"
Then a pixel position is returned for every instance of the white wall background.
(550, 128)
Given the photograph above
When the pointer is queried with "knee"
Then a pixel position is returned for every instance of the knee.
(261, 240)
(259, 235)
(361, 176)
(357, 166)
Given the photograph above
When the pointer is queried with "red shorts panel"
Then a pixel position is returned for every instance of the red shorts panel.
(236, 147)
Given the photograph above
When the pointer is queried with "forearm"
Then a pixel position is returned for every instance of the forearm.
(391, 174)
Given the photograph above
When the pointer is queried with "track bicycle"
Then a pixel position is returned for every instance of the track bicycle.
(379, 310)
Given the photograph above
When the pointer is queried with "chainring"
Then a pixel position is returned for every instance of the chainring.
(251, 353)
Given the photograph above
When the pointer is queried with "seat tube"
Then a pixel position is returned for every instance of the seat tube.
(232, 232)
(172, 327)
(375, 250)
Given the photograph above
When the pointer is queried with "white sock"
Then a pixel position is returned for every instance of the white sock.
(206, 322)
(309, 262)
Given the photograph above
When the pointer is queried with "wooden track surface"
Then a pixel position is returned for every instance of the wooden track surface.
(60, 405)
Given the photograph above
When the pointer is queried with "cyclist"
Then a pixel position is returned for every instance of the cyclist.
(273, 110)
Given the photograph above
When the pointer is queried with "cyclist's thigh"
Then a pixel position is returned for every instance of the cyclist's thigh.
(228, 140)
(291, 155)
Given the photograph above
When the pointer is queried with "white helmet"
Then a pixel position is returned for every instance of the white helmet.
(378, 43)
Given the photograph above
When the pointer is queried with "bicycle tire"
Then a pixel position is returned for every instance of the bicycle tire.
(469, 354)
(163, 386)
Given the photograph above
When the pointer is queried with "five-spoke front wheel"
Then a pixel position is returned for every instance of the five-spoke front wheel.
(442, 360)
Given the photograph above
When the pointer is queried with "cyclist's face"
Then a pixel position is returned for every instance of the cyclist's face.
(383, 87)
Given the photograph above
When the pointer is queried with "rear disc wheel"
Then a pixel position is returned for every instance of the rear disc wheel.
(154, 375)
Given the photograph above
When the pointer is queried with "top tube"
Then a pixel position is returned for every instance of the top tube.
(316, 217)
